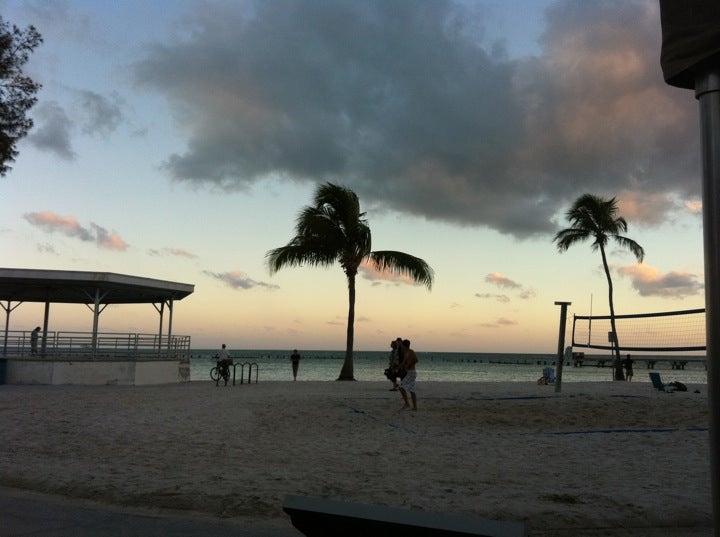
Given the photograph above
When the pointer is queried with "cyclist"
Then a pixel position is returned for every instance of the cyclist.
(224, 362)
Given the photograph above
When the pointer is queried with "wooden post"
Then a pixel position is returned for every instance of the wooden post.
(561, 344)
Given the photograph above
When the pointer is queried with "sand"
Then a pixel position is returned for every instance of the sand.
(613, 458)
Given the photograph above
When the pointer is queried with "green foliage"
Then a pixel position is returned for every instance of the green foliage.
(17, 91)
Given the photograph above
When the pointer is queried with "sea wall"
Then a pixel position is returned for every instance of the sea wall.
(92, 373)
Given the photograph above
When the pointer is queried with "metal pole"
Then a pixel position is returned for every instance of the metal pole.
(707, 91)
(561, 344)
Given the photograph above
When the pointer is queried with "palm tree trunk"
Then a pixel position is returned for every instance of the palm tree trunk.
(346, 373)
(619, 375)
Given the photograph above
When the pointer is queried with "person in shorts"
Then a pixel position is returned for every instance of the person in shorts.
(407, 384)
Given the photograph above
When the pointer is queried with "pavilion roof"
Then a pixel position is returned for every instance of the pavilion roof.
(82, 287)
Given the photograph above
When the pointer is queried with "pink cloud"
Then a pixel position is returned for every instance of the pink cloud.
(70, 227)
(369, 272)
(501, 281)
(649, 281)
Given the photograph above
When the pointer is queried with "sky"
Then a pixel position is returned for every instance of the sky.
(179, 141)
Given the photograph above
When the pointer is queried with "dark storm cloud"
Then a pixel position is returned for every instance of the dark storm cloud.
(405, 101)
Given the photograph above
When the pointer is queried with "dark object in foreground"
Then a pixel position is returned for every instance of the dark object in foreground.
(315, 517)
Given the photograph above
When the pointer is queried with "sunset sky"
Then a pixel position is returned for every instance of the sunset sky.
(178, 140)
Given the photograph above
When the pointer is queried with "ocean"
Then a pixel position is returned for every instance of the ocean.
(432, 367)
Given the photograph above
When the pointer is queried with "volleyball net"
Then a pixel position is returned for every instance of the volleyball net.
(665, 331)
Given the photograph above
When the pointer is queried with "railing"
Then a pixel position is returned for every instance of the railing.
(82, 345)
(250, 366)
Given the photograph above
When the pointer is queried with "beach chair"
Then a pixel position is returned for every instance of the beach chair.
(657, 382)
(550, 375)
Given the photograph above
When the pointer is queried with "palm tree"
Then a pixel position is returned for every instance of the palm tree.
(333, 230)
(595, 218)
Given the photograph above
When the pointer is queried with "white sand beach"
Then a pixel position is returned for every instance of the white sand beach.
(613, 458)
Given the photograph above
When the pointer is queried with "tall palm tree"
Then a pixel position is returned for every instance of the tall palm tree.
(334, 230)
(595, 218)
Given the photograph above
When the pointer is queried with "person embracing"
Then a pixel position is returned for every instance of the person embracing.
(393, 364)
(407, 384)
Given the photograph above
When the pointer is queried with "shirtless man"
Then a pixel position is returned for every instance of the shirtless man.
(407, 384)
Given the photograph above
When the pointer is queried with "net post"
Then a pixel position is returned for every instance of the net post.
(561, 344)
(707, 92)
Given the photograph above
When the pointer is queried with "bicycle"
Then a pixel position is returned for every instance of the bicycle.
(220, 371)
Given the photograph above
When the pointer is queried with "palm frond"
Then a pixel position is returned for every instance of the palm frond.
(403, 264)
(570, 236)
(631, 245)
(298, 253)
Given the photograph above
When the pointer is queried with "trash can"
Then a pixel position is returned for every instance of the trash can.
(3, 370)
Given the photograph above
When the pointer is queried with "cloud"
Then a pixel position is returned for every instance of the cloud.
(110, 241)
(70, 227)
(499, 323)
(52, 130)
(369, 272)
(502, 281)
(694, 206)
(100, 115)
(46, 248)
(408, 103)
(238, 280)
(176, 252)
(499, 298)
(649, 281)
(96, 115)
(527, 294)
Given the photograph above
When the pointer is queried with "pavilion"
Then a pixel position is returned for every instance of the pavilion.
(92, 357)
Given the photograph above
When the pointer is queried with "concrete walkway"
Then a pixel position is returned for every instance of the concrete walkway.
(25, 513)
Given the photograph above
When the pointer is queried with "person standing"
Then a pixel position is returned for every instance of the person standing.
(295, 359)
(34, 337)
(628, 363)
(407, 384)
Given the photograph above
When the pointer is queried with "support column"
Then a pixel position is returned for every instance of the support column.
(707, 91)
(170, 320)
(561, 344)
(161, 311)
(7, 309)
(46, 320)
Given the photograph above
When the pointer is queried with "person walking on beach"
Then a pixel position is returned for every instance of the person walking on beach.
(34, 336)
(407, 384)
(295, 359)
(628, 363)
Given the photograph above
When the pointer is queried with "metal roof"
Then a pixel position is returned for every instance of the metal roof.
(80, 287)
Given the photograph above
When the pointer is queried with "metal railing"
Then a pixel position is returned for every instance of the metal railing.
(83, 345)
